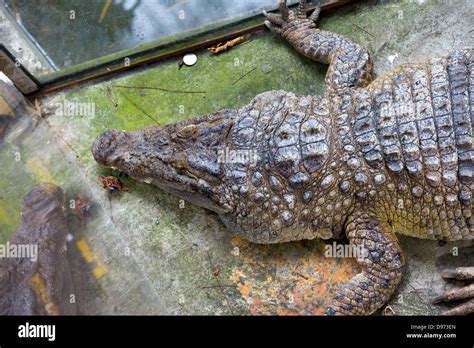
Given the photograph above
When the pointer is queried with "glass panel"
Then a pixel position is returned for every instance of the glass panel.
(61, 34)
(45, 202)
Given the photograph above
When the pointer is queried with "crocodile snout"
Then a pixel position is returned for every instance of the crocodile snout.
(105, 147)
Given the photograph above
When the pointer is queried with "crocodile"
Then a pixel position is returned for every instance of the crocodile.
(367, 160)
(39, 282)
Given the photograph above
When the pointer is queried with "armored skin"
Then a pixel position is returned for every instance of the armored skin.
(366, 160)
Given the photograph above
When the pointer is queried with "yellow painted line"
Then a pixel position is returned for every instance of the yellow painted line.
(40, 288)
(5, 108)
(85, 251)
(99, 269)
(39, 170)
(104, 10)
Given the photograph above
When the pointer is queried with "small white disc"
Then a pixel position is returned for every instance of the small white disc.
(190, 59)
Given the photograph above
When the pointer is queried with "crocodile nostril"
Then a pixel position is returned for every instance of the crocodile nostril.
(104, 146)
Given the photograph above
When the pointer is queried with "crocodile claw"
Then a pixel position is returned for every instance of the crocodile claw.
(458, 294)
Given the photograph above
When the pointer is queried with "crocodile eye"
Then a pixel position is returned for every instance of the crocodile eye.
(187, 131)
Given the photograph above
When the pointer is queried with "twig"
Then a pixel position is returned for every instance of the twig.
(359, 27)
(105, 9)
(302, 275)
(218, 286)
(223, 47)
(416, 291)
(161, 89)
(139, 108)
(244, 75)
(109, 94)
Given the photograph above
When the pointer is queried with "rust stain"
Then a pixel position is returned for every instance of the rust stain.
(289, 279)
(244, 289)
(239, 242)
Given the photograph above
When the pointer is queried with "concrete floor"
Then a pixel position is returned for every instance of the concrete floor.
(163, 257)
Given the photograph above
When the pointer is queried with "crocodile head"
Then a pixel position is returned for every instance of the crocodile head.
(180, 158)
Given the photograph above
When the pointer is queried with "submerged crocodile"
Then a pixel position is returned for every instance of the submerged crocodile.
(368, 159)
(40, 281)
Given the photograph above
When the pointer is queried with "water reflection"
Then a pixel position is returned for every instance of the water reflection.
(74, 31)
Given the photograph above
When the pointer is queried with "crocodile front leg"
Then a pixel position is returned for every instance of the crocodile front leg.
(350, 65)
(381, 260)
